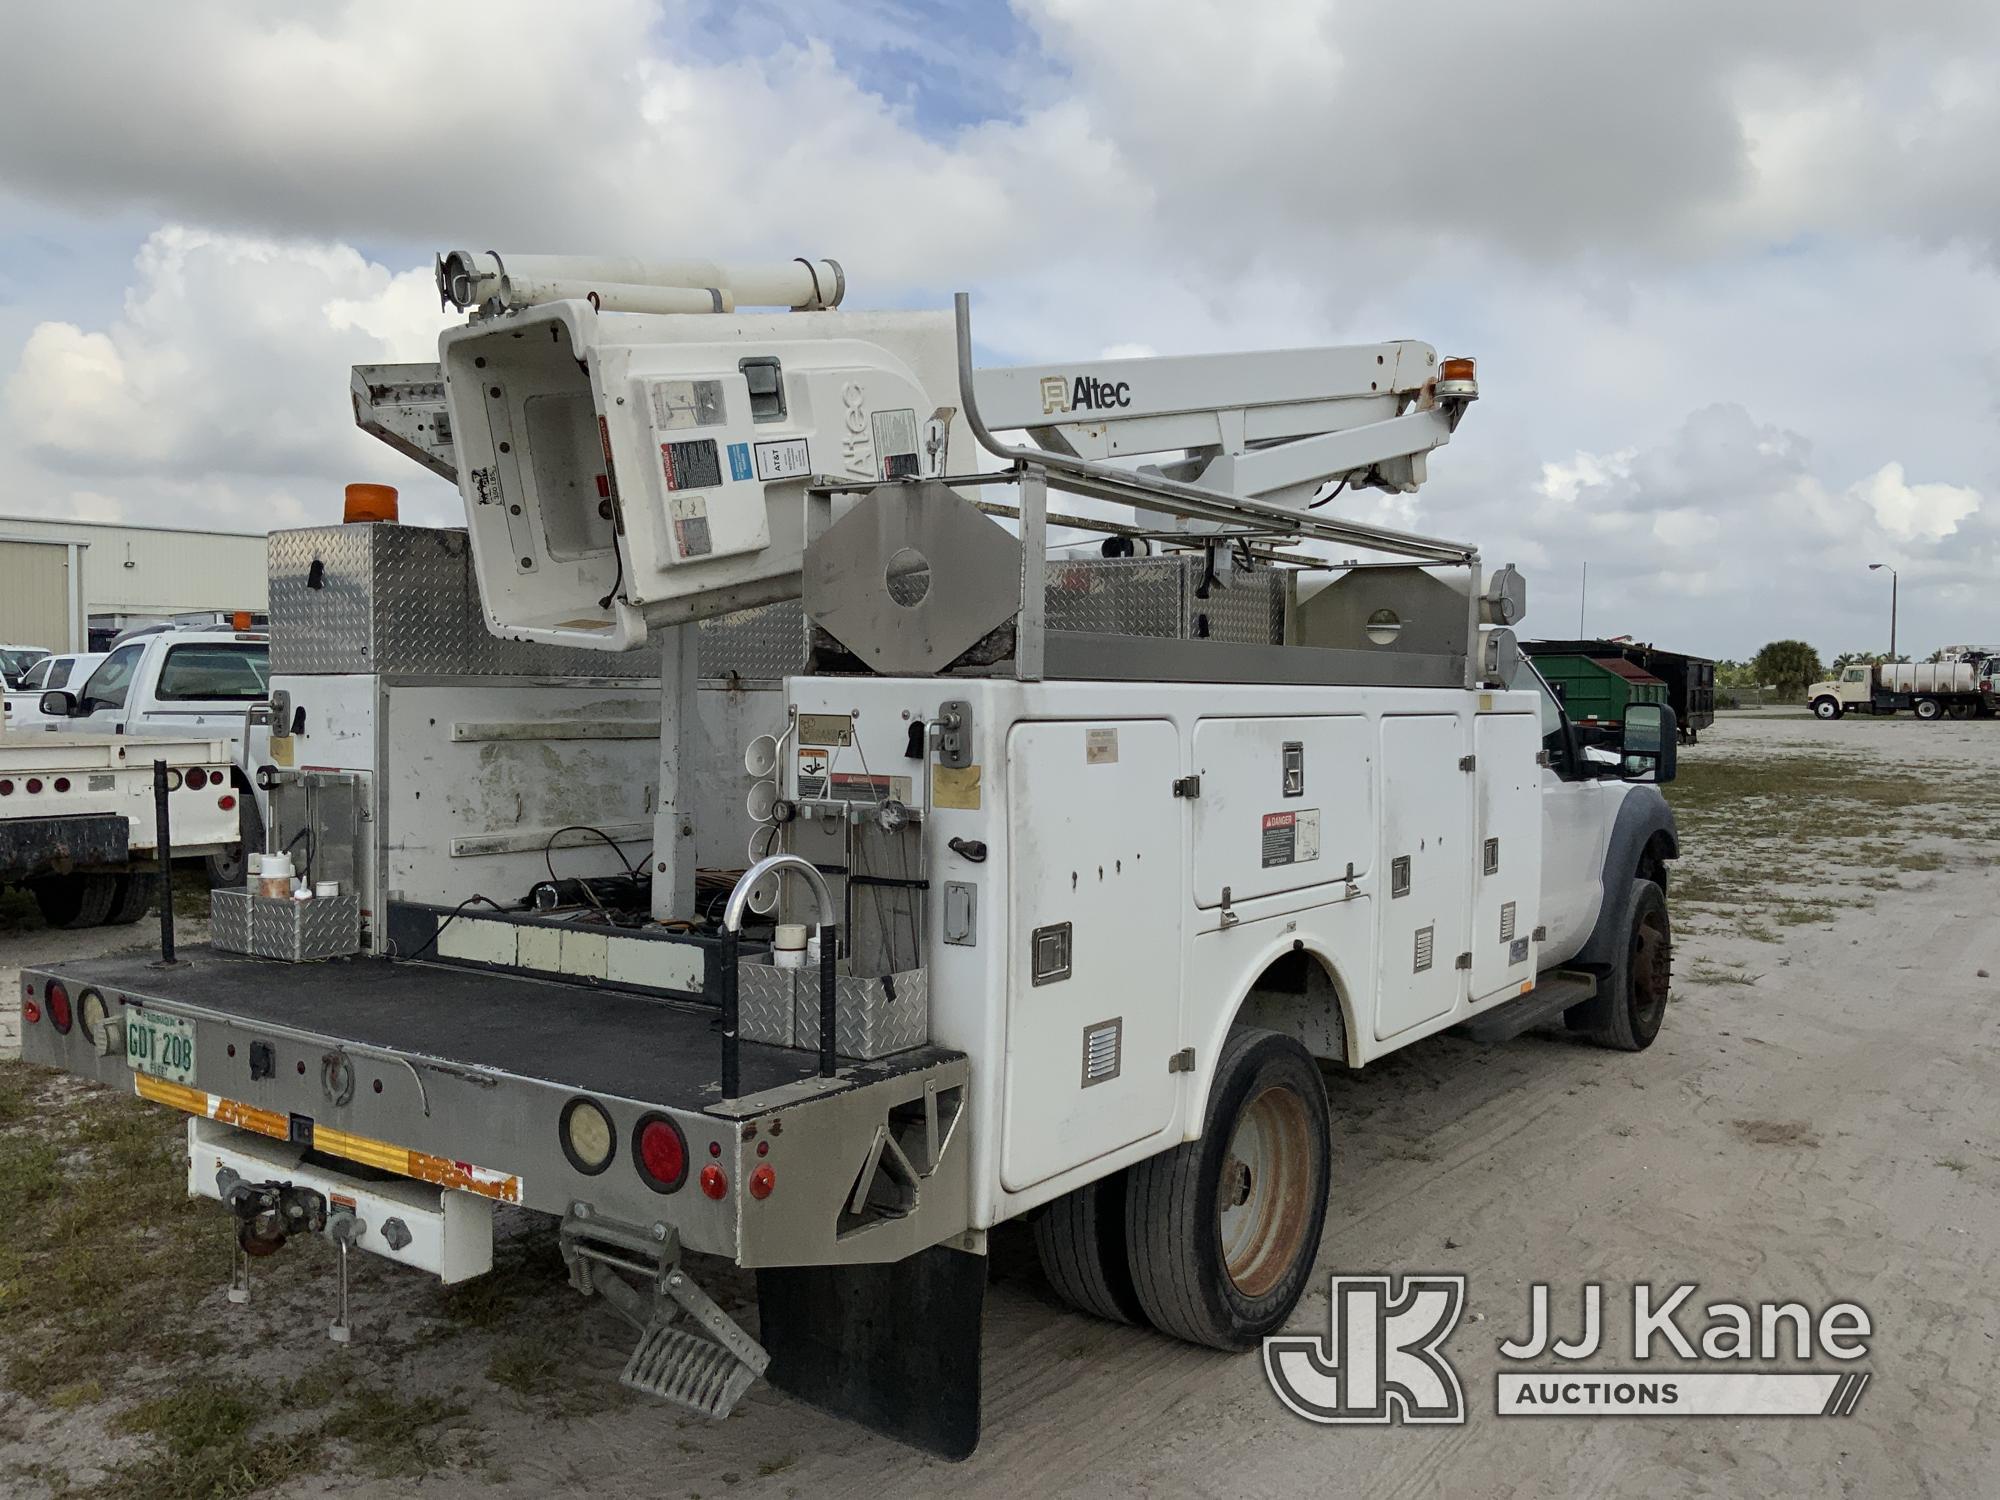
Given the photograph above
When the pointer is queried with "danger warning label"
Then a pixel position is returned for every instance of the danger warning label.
(1291, 837)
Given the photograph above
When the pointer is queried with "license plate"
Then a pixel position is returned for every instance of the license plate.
(160, 1045)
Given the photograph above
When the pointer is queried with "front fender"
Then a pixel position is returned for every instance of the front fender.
(1644, 815)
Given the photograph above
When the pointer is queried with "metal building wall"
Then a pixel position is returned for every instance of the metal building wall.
(131, 571)
(34, 594)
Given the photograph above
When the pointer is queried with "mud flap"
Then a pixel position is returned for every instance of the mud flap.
(893, 1347)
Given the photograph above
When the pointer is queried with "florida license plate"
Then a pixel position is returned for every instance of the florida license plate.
(160, 1045)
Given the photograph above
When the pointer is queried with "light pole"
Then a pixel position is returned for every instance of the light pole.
(1894, 582)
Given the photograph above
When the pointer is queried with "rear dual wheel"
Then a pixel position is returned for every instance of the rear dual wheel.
(1218, 1234)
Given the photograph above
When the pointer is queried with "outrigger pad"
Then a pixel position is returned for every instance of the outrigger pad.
(893, 1347)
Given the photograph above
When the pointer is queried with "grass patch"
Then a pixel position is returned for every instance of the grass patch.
(389, 1432)
(204, 1446)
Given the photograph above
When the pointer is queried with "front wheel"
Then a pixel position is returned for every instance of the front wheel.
(1631, 1002)
(1222, 1231)
(1826, 708)
(1929, 708)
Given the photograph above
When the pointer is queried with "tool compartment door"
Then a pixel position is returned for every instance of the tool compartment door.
(1507, 869)
(1423, 870)
(1095, 912)
(1285, 804)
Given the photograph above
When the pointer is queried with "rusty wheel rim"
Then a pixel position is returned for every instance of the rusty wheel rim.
(1265, 1195)
(1652, 970)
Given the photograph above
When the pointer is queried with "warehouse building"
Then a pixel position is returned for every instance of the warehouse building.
(68, 584)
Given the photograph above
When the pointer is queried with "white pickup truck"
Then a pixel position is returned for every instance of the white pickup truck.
(78, 818)
(193, 684)
(64, 669)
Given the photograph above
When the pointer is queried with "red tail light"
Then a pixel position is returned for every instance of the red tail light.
(59, 1011)
(713, 1182)
(762, 1181)
(62, 783)
(30, 1012)
(225, 802)
(6, 787)
(660, 1152)
(197, 777)
(34, 783)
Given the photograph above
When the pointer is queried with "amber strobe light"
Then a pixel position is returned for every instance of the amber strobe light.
(370, 502)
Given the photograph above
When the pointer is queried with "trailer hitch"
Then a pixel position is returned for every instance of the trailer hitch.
(269, 1213)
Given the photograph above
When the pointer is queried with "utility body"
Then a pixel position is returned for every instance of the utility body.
(757, 848)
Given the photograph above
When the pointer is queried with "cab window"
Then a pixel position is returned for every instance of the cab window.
(38, 675)
(110, 683)
(214, 671)
(1856, 674)
(1555, 729)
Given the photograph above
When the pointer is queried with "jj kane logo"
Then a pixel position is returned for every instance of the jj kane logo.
(1382, 1359)
(1085, 393)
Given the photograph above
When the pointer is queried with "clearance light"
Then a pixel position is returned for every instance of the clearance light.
(762, 1181)
(240, 620)
(60, 1015)
(588, 1139)
(660, 1152)
(6, 787)
(713, 1182)
(34, 783)
(62, 783)
(30, 1012)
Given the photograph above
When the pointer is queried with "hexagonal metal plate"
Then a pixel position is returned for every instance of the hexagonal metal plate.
(975, 578)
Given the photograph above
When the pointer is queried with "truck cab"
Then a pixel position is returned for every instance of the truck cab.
(65, 669)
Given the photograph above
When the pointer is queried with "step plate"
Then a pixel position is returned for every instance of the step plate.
(689, 1370)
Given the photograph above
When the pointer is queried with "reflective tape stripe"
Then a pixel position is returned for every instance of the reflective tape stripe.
(462, 1176)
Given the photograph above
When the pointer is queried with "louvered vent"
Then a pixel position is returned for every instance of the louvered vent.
(1426, 940)
(1507, 923)
(1103, 1048)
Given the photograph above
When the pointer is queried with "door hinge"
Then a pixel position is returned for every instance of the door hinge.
(1464, 961)
(1468, 763)
(1187, 786)
(1182, 1061)
(1542, 758)
(1540, 934)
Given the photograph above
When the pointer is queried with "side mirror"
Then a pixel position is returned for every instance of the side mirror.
(58, 704)
(1649, 747)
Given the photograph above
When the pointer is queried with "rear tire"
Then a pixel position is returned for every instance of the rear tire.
(1223, 1230)
(75, 900)
(1632, 1002)
(1929, 708)
(132, 900)
(1826, 708)
(1081, 1241)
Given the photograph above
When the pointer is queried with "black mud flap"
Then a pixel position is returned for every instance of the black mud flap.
(892, 1347)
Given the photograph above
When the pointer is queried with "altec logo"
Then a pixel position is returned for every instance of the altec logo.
(1085, 393)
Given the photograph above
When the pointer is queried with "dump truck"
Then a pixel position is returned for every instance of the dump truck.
(1958, 688)
(745, 839)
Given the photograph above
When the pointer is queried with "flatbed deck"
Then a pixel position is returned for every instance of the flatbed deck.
(578, 1036)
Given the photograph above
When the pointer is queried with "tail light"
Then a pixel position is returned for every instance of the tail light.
(762, 1181)
(197, 777)
(660, 1152)
(713, 1183)
(225, 802)
(6, 787)
(60, 1013)
(34, 784)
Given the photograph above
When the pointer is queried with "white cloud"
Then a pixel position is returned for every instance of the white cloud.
(1913, 512)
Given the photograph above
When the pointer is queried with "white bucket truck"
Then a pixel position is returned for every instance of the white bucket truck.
(1102, 862)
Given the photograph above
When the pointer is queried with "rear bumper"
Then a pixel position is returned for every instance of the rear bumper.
(46, 845)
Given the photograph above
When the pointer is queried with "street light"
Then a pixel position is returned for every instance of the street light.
(1893, 583)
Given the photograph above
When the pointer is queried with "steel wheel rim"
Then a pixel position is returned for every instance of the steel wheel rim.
(1264, 1200)
(1652, 969)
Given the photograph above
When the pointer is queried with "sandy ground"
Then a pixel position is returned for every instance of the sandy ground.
(1815, 1123)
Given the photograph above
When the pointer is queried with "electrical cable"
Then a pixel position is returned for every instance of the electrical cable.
(456, 913)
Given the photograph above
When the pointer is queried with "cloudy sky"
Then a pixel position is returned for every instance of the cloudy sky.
(1732, 272)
